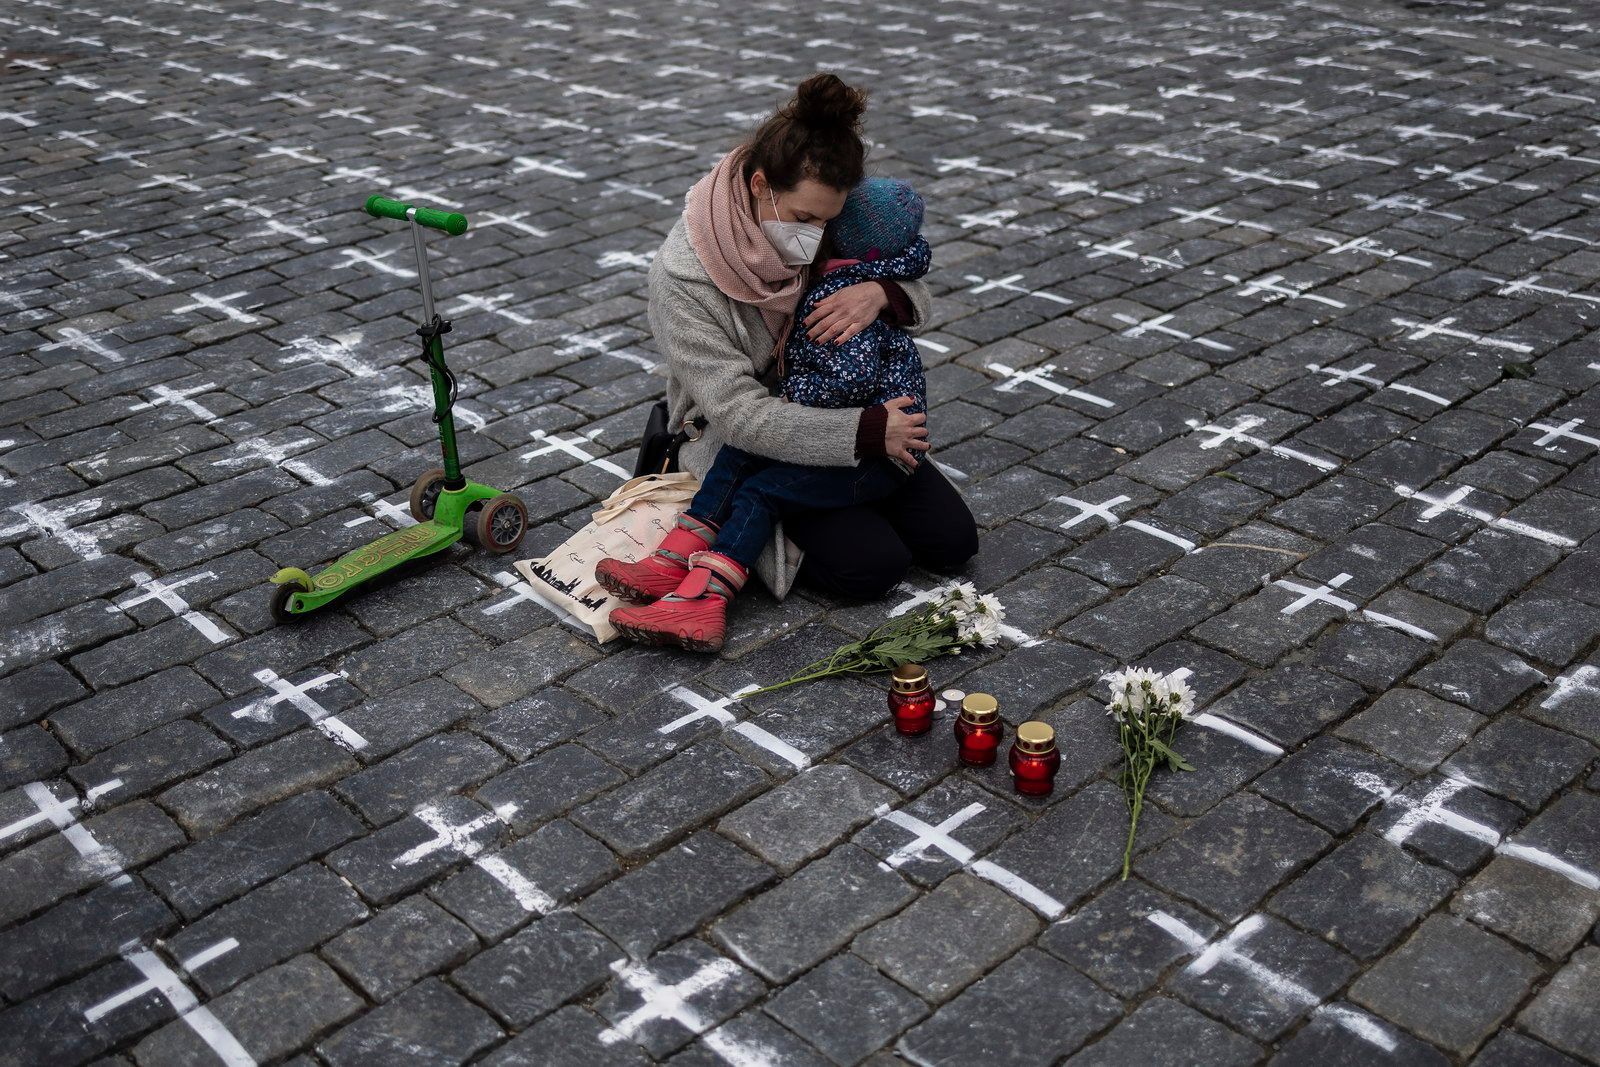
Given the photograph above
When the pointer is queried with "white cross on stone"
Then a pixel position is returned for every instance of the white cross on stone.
(169, 984)
(462, 839)
(1407, 133)
(1087, 511)
(926, 836)
(1581, 682)
(521, 593)
(1212, 214)
(1070, 188)
(1123, 250)
(1263, 176)
(625, 259)
(219, 305)
(1438, 505)
(76, 339)
(525, 164)
(671, 1003)
(376, 261)
(1154, 531)
(1342, 151)
(298, 697)
(1359, 374)
(1250, 422)
(183, 398)
(512, 221)
(104, 861)
(1529, 284)
(1370, 247)
(1274, 287)
(1469, 177)
(590, 342)
(1564, 431)
(1040, 376)
(338, 350)
(471, 302)
(1139, 328)
(53, 522)
(1228, 950)
(1442, 328)
(1400, 202)
(999, 218)
(983, 285)
(556, 444)
(154, 589)
(971, 163)
(717, 710)
(1554, 235)
(1324, 594)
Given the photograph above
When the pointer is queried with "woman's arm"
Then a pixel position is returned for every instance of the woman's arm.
(718, 374)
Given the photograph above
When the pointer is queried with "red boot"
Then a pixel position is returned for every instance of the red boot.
(659, 574)
(695, 615)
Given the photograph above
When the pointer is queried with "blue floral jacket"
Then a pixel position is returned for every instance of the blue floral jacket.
(877, 364)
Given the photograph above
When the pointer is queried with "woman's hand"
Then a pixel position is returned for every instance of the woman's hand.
(840, 316)
(904, 431)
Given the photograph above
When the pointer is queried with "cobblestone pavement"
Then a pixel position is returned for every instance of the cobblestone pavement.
(1262, 346)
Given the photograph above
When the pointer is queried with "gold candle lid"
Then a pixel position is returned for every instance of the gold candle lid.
(909, 678)
(980, 709)
(1035, 737)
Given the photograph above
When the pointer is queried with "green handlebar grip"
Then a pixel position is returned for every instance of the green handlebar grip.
(451, 222)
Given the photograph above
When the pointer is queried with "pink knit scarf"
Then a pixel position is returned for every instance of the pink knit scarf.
(742, 263)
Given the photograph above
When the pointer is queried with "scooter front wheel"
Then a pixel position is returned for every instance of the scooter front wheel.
(501, 524)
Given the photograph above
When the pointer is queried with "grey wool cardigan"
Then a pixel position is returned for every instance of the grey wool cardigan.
(720, 365)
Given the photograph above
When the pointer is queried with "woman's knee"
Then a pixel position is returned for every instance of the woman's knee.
(868, 571)
(947, 549)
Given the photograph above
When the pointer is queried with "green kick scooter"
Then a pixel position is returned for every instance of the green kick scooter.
(446, 506)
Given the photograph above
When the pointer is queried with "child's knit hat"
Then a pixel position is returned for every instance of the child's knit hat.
(881, 218)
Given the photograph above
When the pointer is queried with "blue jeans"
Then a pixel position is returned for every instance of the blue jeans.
(746, 494)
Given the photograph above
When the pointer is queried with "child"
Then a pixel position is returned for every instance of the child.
(707, 556)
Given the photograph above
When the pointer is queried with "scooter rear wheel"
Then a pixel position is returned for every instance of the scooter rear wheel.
(280, 602)
(425, 493)
(501, 524)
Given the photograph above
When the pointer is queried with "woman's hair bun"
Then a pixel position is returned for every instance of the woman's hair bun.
(822, 102)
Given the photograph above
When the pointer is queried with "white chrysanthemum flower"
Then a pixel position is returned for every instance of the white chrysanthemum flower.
(963, 593)
(1180, 696)
(986, 628)
(990, 605)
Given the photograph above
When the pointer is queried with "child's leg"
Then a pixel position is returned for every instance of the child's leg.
(780, 488)
(714, 498)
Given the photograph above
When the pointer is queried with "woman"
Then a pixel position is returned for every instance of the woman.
(723, 287)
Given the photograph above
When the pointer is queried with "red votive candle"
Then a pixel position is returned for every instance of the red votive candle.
(911, 699)
(978, 730)
(1034, 759)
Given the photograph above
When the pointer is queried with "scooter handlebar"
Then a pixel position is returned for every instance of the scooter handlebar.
(451, 222)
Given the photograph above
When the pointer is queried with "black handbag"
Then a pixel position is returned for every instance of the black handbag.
(658, 449)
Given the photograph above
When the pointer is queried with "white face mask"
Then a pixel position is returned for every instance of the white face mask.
(796, 242)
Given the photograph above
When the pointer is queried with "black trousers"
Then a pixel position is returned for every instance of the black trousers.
(862, 551)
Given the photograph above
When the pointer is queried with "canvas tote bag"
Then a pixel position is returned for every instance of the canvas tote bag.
(629, 524)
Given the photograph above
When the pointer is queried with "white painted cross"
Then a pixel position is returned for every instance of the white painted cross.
(1227, 950)
(1401, 202)
(472, 302)
(1268, 179)
(297, 697)
(526, 164)
(513, 222)
(1227, 727)
(1368, 246)
(1442, 328)
(671, 1003)
(338, 350)
(1072, 188)
(1554, 235)
(53, 522)
(75, 339)
(219, 305)
(717, 710)
(181, 397)
(521, 593)
(1564, 431)
(971, 163)
(1359, 374)
(1123, 250)
(1040, 376)
(926, 836)
(556, 444)
(1138, 328)
(1529, 284)
(163, 980)
(1407, 133)
(1087, 511)
(462, 839)
(1274, 287)
(1438, 505)
(1580, 682)
(155, 589)
(377, 261)
(1324, 594)
(1430, 810)
(104, 861)
(1469, 177)
(1007, 284)
(1250, 422)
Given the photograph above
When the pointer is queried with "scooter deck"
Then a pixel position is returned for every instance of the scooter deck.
(371, 560)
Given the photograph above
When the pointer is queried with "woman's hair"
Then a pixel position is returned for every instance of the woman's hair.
(816, 134)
